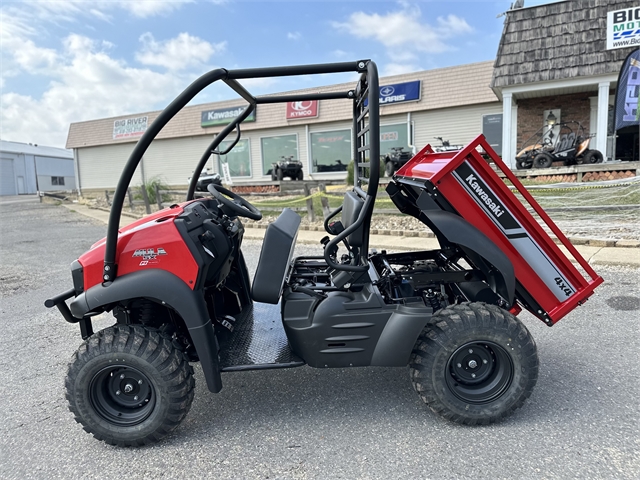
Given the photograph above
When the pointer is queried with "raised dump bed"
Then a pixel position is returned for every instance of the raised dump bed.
(548, 284)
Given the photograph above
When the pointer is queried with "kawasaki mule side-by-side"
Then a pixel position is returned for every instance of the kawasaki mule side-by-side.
(178, 288)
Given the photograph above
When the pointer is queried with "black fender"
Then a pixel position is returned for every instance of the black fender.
(456, 230)
(168, 289)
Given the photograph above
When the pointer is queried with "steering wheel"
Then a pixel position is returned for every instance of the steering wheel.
(234, 202)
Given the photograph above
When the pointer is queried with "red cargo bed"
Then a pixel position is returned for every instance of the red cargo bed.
(467, 181)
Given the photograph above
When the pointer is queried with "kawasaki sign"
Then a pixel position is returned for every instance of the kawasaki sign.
(223, 116)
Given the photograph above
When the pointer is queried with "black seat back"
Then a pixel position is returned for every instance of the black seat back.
(275, 257)
(351, 208)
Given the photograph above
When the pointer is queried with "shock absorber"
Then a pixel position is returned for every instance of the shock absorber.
(433, 300)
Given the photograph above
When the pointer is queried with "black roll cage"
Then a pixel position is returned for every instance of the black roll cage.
(366, 128)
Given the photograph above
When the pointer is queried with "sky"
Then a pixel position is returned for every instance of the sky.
(76, 60)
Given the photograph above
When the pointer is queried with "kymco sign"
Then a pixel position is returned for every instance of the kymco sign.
(304, 109)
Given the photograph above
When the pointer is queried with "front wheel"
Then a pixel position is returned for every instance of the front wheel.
(542, 160)
(389, 168)
(474, 363)
(129, 386)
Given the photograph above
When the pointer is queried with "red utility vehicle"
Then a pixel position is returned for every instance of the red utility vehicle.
(177, 284)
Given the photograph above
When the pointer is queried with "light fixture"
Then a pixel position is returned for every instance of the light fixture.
(551, 119)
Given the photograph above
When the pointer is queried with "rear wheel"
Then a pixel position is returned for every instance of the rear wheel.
(129, 385)
(542, 160)
(279, 174)
(474, 363)
(300, 175)
(593, 156)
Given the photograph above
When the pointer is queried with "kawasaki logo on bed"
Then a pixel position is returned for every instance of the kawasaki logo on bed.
(484, 196)
(514, 231)
(223, 116)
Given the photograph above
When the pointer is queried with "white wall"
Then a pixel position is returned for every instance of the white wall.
(459, 125)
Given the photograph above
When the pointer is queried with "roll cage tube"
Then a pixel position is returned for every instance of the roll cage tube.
(230, 77)
(367, 138)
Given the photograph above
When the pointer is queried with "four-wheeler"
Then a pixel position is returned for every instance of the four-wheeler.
(570, 147)
(206, 179)
(287, 167)
(394, 159)
(178, 287)
(445, 146)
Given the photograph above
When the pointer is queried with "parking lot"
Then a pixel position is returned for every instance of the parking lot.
(580, 422)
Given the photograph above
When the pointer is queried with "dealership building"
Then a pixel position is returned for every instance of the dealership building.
(552, 59)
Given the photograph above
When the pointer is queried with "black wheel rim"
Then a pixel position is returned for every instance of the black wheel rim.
(123, 396)
(479, 372)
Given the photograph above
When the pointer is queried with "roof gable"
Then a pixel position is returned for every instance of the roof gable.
(557, 41)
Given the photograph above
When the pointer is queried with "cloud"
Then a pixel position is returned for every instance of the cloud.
(404, 34)
(294, 35)
(149, 8)
(398, 69)
(177, 53)
(87, 83)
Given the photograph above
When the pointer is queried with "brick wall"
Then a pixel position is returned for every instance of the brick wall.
(574, 107)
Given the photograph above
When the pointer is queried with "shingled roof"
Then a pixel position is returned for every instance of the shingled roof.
(557, 41)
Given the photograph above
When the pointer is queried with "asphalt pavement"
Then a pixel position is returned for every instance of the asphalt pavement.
(362, 423)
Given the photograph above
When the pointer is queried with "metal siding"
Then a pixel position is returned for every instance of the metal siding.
(7, 177)
(458, 125)
(56, 167)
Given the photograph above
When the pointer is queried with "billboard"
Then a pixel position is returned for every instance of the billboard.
(627, 92)
(623, 28)
(223, 116)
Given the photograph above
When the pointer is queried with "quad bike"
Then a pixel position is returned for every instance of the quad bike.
(445, 146)
(207, 178)
(571, 147)
(177, 285)
(394, 159)
(287, 167)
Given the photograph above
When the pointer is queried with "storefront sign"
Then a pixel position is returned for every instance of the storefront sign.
(304, 109)
(623, 28)
(130, 127)
(400, 92)
(223, 116)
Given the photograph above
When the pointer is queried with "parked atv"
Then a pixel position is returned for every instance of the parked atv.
(394, 159)
(287, 167)
(206, 179)
(570, 147)
(445, 146)
(178, 288)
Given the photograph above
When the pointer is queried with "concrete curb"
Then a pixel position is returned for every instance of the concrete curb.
(606, 253)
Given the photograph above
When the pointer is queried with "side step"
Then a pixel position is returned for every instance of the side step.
(257, 342)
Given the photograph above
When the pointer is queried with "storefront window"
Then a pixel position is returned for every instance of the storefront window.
(239, 158)
(331, 151)
(393, 136)
(275, 149)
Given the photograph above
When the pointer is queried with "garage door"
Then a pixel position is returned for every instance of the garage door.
(7, 178)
